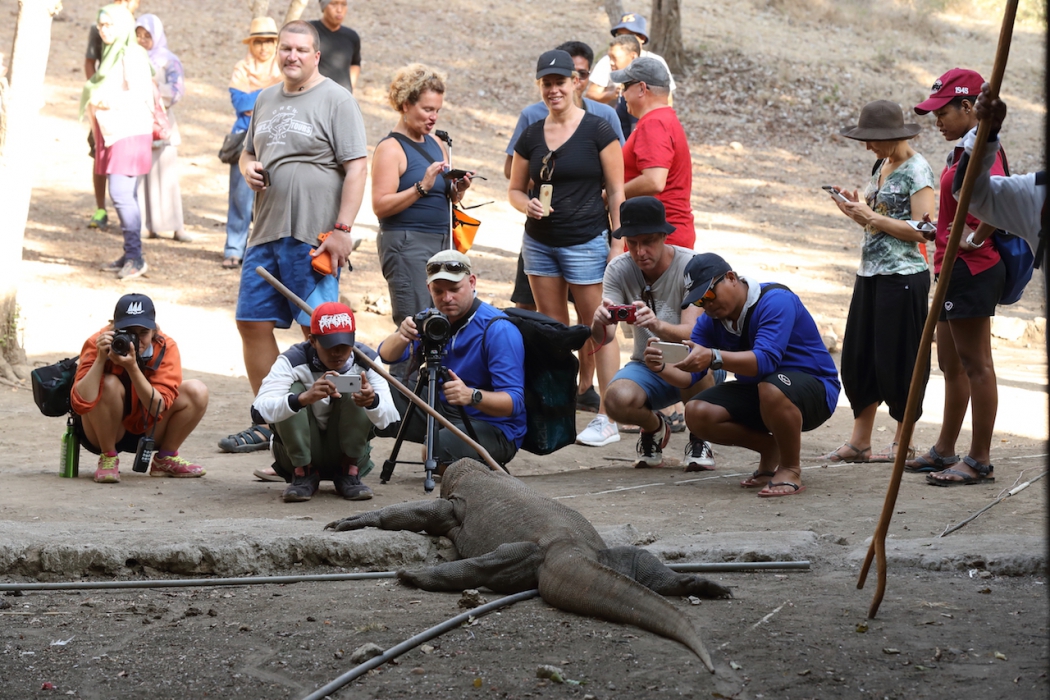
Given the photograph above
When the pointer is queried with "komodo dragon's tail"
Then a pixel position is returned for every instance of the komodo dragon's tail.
(570, 579)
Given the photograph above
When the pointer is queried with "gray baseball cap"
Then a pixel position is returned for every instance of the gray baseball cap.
(643, 70)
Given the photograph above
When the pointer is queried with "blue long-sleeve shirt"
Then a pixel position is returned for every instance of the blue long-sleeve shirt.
(243, 102)
(783, 336)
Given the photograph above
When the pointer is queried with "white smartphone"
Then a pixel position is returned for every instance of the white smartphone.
(546, 192)
(830, 189)
(346, 383)
(673, 352)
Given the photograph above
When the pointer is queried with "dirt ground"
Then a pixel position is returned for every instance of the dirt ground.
(768, 86)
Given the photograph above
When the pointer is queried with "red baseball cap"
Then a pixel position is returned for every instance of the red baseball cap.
(958, 82)
(333, 324)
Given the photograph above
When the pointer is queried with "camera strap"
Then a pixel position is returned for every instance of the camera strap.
(155, 416)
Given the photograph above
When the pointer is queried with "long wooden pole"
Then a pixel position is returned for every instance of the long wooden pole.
(877, 549)
(367, 362)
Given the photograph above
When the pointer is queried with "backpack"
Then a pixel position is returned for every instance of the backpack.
(52, 386)
(550, 377)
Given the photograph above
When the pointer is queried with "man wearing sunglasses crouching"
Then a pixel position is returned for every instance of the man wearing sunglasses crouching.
(786, 382)
(485, 363)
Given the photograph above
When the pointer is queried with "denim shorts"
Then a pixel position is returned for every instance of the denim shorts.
(658, 393)
(289, 261)
(576, 264)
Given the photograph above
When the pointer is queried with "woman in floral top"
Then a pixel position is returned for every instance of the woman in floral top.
(890, 295)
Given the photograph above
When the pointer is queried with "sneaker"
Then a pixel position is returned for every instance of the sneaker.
(182, 237)
(698, 455)
(175, 466)
(349, 486)
(132, 269)
(303, 487)
(114, 266)
(599, 432)
(588, 401)
(107, 472)
(99, 219)
(650, 446)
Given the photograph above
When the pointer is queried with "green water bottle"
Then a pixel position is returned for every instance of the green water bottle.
(69, 466)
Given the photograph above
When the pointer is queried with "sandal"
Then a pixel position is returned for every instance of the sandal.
(932, 461)
(769, 494)
(231, 263)
(257, 437)
(859, 456)
(676, 420)
(752, 482)
(891, 454)
(985, 474)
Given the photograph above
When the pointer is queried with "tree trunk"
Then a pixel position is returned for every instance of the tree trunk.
(665, 31)
(614, 9)
(260, 8)
(22, 105)
(295, 10)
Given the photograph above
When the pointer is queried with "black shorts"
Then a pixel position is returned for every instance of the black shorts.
(741, 400)
(522, 293)
(973, 296)
(128, 443)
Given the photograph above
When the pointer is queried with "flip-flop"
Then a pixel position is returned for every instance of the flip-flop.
(765, 494)
(751, 483)
(267, 474)
(859, 456)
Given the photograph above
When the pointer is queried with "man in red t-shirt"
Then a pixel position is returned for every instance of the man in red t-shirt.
(656, 156)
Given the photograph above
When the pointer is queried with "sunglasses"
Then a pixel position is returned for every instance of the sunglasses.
(709, 295)
(584, 74)
(628, 85)
(456, 268)
(547, 167)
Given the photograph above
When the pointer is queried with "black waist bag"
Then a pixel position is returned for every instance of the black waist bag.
(52, 386)
(550, 378)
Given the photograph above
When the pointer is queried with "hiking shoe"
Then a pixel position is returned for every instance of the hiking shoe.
(114, 266)
(256, 437)
(132, 269)
(698, 455)
(349, 486)
(650, 446)
(107, 472)
(175, 466)
(99, 219)
(302, 488)
(588, 401)
(599, 432)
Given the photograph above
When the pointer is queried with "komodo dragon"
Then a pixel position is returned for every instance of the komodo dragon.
(513, 539)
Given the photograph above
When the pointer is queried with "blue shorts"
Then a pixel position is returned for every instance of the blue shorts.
(289, 261)
(576, 264)
(659, 394)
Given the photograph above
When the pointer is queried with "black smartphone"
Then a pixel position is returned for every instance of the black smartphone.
(458, 174)
(266, 177)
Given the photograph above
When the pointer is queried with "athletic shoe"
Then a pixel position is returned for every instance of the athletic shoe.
(698, 455)
(107, 472)
(588, 401)
(132, 269)
(349, 486)
(99, 219)
(599, 432)
(650, 446)
(175, 466)
(302, 488)
(114, 266)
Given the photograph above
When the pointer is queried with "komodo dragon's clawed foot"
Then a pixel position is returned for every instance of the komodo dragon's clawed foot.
(706, 588)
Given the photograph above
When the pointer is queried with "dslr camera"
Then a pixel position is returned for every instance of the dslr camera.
(124, 343)
(434, 330)
(623, 312)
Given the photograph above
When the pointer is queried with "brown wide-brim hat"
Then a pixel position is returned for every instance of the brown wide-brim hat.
(881, 120)
(262, 28)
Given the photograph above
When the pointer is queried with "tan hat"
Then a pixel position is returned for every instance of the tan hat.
(448, 265)
(262, 28)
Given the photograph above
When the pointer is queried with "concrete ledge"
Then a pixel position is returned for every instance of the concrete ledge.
(787, 545)
(1003, 555)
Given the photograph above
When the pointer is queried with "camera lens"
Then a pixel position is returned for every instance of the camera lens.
(437, 328)
(121, 344)
(622, 314)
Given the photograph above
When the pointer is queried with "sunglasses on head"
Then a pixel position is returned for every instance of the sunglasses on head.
(709, 295)
(456, 268)
(547, 167)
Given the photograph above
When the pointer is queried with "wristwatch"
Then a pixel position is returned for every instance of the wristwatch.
(475, 397)
(716, 359)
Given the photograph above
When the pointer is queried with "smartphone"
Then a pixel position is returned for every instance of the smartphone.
(830, 189)
(346, 383)
(457, 174)
(673, 352)
(266, 177)
(546, 192)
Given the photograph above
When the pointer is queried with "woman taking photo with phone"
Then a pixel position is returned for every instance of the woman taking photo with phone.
(569, 157)
(410, 196)
(889, 305)
(964, 329)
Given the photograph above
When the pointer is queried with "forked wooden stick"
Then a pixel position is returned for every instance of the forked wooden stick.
(367, 362)
(878, 540)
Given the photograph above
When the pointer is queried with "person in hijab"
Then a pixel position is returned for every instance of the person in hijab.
(254, 72)
(118, 99)
(159, 191)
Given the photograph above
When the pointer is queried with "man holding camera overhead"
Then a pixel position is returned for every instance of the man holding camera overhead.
(129, 389)
(485, 360)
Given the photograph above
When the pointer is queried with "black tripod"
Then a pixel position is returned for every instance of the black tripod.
(429, 379)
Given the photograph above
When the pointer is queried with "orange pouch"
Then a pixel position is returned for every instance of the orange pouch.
(322, 263)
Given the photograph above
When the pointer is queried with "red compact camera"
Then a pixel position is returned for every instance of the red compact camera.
(624, 312)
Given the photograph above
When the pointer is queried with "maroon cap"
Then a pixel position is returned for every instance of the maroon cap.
(958, 82)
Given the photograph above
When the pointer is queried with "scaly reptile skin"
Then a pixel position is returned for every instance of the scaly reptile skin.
(513, 539)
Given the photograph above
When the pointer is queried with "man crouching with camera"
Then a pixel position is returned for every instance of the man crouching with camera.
(322, 405)
(129, 395)
(484, 359)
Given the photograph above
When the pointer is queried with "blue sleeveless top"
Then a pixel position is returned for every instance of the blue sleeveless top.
(428, 214)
